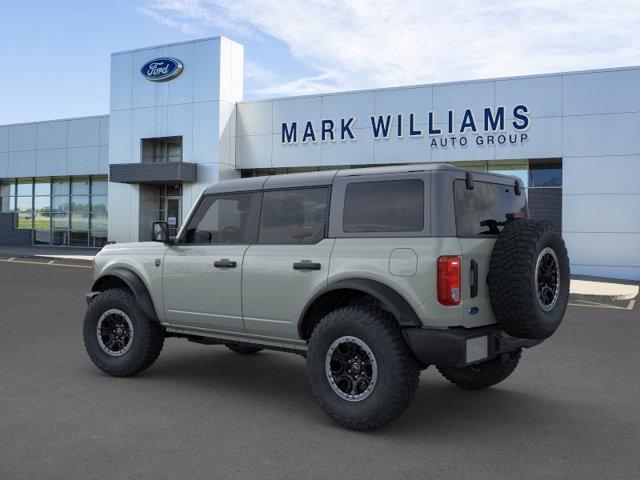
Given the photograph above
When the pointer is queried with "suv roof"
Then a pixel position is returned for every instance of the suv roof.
(325, 177)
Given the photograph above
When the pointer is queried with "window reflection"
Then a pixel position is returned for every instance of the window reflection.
(67, 211)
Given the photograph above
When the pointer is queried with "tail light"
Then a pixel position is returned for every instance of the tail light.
(449, 281)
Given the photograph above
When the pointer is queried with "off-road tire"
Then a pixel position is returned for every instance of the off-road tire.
(398, 369)
(243, 349)
(484, 374)
(147, 342)
(512, 279)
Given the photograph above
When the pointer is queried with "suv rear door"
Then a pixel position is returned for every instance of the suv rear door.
(202, 272)
(479, 213)
(289, 262)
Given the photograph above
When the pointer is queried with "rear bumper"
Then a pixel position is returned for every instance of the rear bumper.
(460, 347)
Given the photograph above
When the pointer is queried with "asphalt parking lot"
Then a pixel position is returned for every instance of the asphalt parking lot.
(571, 410)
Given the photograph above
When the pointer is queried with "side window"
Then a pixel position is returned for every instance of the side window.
(228, 218)
(384, 206)
(296, 216)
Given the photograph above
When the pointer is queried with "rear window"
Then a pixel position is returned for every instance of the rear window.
(483, 210)
(384, 206)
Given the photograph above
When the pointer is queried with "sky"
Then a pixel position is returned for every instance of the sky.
(55, 53)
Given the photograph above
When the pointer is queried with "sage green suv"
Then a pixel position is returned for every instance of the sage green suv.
(372, 274)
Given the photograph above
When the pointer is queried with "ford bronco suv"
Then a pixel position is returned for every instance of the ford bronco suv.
(371, 274)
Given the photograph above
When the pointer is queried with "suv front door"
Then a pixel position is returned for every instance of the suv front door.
(202, 272)
(289, 262)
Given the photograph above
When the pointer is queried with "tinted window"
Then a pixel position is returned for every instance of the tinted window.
(389, 206)
(483, 210)
(294, 216)
(224, 219)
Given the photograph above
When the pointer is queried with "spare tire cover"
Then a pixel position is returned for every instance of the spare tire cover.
(529, 278)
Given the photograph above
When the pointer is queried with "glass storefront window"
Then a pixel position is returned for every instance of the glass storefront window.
(99, 204)
(42, 212)
(7, 204)
(80, 203)
(98, 239)
(60, 220)
(545, 175)
(80, 221)
(173, 190)
(42, 237)
(519, 170)
(8, 187)
(25, 188)
(60, 186)
(25, 211)
(78, 239)
(70, 211)
(60, 237)
(25, 220)
(42, 186)
(80, 186)
(99, 186)
(99, 222)
(60, 204)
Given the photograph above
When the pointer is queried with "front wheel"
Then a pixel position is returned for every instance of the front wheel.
(118, 337)
(485, 374)
(360, 369)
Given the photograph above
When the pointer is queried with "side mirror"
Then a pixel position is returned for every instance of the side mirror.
(160, 232)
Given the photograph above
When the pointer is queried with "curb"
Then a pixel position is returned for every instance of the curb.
(45, 257)
(601, 298)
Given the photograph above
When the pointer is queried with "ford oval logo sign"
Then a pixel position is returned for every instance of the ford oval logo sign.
(162, 69)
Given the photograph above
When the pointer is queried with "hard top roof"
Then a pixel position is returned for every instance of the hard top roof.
(323, 177)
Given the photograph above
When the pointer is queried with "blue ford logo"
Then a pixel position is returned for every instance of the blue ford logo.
(162, 69)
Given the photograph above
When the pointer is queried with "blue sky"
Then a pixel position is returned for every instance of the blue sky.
(55, 53)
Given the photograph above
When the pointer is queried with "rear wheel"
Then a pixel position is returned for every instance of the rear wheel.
(360, 369)
(483, 375)
(243, 349)
(119, 339)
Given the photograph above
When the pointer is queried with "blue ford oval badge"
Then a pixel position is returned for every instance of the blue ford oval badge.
(162, 69)
(474, 310)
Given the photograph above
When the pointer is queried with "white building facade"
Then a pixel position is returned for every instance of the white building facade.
(177, 123)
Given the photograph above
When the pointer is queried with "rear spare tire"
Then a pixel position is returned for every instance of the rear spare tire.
(529, 279)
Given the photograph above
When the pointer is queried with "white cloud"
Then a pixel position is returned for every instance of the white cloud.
(374, 43)
(196, 16)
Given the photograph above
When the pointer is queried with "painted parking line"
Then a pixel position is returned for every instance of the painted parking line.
(590, 304)
(50, 263)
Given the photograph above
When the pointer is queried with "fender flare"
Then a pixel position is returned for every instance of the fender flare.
(389, 299)
(135, 284)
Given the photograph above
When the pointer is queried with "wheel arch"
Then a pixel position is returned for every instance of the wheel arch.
(345, 291)
(123, 277)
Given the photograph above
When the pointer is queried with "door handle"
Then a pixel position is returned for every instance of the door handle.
(474, 279)
(306, 265)
(224, 263)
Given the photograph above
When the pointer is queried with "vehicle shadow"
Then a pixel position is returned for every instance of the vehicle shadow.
(277, 382)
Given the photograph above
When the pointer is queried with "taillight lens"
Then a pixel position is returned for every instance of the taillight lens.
(449, 280)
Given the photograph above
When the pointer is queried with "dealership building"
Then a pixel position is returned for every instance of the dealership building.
(178, 123)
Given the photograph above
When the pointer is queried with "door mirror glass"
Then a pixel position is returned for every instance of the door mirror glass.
(160, 232)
